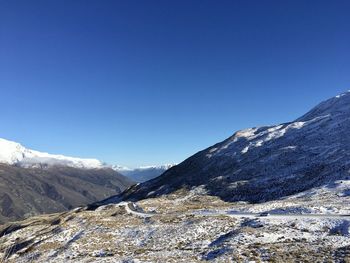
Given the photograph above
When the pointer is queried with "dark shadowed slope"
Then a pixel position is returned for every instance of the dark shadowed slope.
(29, 191)
(267, 163)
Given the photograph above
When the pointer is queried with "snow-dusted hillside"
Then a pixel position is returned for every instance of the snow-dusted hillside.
(291, 181)
(266, 163)
(143, 173)
(13, 153)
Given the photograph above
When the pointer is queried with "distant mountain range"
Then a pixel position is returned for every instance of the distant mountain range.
(33, 182)
(143, 173)
(15, 154)
(267, 163)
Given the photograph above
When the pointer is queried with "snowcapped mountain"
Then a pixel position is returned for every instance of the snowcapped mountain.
(65, 182)
(143, 173)
(266, 163)
(13, 153)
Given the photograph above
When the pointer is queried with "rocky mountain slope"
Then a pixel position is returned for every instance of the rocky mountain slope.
(267, 163)
(26, 192)
(33, 183)
(145, 173)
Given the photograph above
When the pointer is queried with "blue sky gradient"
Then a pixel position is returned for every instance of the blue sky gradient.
(150, 82)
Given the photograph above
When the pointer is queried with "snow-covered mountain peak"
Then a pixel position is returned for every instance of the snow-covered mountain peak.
(11, 152)
(268, 162)
(343, 94)
(335, 110)
(15, 154)
(338, 105)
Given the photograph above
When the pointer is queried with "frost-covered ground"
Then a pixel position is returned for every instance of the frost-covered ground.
(174, 230)
(330, 199)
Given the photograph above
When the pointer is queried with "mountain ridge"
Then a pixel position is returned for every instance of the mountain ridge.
(33, 182)
(14, 153)
(269, 162)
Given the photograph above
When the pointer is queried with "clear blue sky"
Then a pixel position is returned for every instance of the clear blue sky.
(150, 82)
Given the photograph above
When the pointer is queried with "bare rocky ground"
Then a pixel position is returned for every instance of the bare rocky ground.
(175, 228)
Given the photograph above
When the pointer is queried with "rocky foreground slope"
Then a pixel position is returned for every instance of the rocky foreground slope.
(180, 227)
